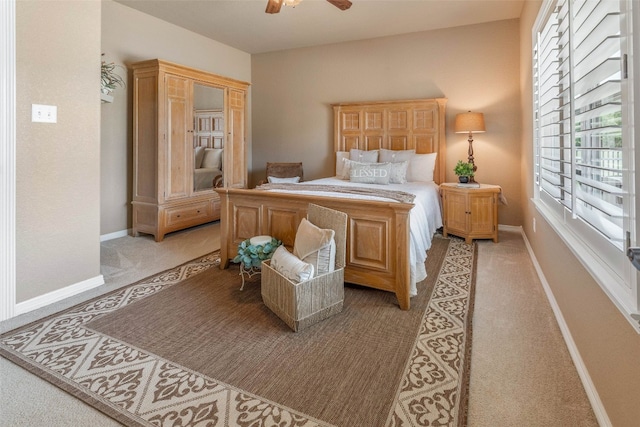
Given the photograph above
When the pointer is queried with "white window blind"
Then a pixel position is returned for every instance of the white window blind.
(582, 131)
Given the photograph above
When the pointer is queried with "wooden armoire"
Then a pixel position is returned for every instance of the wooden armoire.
(164, 198)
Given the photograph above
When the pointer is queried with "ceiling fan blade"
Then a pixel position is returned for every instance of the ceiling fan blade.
(341, 4)
(273, 6)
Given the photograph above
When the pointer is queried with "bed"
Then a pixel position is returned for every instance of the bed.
(386, 238)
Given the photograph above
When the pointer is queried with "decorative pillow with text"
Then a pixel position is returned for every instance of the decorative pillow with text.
(370, 173)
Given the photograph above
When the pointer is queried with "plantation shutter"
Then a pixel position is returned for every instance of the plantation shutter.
(554, 110)
(598, 117)
(578, 114)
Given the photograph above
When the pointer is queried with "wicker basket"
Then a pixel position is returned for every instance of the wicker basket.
(301, 305)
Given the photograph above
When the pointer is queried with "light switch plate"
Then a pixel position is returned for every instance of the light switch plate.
(44, 113)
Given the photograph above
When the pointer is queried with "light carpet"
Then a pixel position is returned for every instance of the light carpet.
(204, 352)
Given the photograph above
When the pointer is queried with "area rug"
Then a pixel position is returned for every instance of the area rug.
(186, 347)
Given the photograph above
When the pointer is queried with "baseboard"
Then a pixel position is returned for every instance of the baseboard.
(114, 235)
(58, 295)
(503, 227)
(592, 393)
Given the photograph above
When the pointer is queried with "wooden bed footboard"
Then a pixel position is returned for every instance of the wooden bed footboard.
(378, 254)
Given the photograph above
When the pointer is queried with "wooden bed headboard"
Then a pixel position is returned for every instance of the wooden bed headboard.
(395, 125)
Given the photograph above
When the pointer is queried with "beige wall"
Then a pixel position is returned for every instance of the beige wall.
(129, 36)
(475, 67)
(57, 165)
(606, 342)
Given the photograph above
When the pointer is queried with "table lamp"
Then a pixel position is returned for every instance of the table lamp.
(469, 123)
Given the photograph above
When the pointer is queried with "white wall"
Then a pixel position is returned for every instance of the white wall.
(57, 165)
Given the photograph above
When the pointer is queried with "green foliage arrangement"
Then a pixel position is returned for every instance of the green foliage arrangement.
(252, 255)
(108, 77)
(463, 169)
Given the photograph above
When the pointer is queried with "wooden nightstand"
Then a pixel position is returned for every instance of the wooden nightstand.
(471, 213)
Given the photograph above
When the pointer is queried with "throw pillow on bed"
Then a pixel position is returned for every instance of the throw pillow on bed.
(276, 180)
(398, 172)
(341, 156)
(395, 156)
(370, 173)
(364, 156)
(315, 246)
(290, 266)
(421, 167)
(346, 168)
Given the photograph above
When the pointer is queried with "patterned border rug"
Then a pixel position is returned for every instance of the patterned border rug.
(138, 387)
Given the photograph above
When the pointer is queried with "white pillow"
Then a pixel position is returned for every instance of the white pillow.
(346, 168)
(276, 180)
(363, 155)
(394, 156)
(398, 172)
(370, 173)
(340, 156)
(212, 158)
(198, 156)
(315, 246)
(291, 266)
(421, 167)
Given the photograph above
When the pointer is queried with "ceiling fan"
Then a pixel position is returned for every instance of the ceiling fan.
(273, 6)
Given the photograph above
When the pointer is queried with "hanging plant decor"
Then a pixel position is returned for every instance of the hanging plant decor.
(109, 79)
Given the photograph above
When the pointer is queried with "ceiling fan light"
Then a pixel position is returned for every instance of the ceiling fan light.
(292, 3)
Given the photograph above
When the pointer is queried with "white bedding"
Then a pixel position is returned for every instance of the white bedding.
(424, 218)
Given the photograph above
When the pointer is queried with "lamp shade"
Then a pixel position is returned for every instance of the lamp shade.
(469, 122)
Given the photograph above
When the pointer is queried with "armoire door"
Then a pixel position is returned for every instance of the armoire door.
(177, 178)
(236, 176)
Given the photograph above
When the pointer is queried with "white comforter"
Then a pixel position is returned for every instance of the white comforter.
(424, 219)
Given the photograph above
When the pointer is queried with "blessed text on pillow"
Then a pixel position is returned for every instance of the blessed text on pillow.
(370, 173)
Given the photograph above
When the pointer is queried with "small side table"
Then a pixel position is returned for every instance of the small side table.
(471, 213)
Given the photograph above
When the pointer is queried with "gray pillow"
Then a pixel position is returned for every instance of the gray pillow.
(363, 155)
(398, 172)
(395, 156)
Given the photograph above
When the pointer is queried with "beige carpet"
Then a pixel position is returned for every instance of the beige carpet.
(230, 336)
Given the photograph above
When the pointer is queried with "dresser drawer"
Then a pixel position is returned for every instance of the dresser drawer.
(183, 215)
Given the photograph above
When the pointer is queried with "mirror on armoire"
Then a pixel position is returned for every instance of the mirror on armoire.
(208, 136)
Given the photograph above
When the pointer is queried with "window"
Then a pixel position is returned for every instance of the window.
(583, 136)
